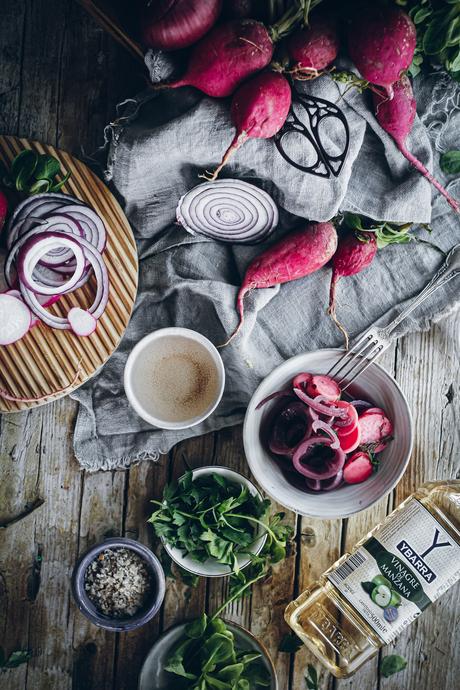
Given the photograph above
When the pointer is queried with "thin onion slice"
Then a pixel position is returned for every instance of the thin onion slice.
(100, 300)
(324, 426)
(328, 410)
(228, 211)
(36, 248)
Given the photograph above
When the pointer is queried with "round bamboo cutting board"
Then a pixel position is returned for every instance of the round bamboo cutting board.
(48, 363)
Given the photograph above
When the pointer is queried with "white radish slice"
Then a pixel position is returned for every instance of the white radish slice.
(34, 320)
(81, 321)
(14, 319)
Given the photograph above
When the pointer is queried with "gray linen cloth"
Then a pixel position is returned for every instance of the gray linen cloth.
(157, 149)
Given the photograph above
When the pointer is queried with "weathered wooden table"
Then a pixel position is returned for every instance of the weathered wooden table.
(60, 78)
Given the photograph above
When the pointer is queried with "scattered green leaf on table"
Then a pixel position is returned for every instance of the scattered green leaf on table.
(450, 162)
(311, 678)
(392, 664)
(15, 659)
(290, 643)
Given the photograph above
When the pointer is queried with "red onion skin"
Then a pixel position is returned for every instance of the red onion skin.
(176, 24)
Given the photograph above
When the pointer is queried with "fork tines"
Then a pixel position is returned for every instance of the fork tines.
(356, 360)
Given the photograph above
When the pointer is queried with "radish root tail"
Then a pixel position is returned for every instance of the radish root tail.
(331, 311)
(421, 168)
(234, 146)
(240, 309)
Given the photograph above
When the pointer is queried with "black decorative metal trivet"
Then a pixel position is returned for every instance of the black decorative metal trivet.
(309, 117)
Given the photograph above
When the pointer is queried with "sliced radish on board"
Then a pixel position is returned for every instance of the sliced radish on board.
(14, 319)
(81, 321)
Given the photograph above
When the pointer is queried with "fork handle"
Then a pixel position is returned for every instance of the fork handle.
(440, 278)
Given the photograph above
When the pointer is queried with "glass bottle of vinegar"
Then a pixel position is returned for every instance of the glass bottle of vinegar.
(369, 596)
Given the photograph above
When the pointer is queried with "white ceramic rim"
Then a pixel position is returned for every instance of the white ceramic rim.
(140, 346)
(175, 553)
(251, 409)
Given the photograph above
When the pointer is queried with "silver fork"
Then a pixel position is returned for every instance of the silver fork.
(376, 340)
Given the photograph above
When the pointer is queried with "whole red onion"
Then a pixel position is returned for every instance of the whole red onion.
(175, 24)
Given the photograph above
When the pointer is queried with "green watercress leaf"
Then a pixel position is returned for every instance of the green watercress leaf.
(450, 162)
(15, 659)
(393, 663)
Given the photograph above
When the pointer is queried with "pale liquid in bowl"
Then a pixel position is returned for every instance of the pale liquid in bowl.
(175, 379)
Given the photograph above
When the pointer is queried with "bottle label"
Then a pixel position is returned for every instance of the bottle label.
(405, 566)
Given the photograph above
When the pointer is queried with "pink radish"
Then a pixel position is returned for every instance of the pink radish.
(349, 442)
(295, 256)
(358, 468)
(225, 57)
(174, 24)
(352, 256)
(81, 321)
(314, 47)
(3, 209)
(14, 319)
(240, 9)
(374, 428)
(396, 116)
(301, 380)
(381, 43)
(259, 109)
(324, 386)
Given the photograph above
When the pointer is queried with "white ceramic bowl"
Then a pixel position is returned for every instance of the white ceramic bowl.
(375, 385)
(137, 364)
(211, 568)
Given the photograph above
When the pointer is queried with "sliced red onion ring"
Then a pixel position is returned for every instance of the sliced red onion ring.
(57, 256)
(364, 404)
(100, 300)
(228, 211)
(324, 426)
(308, 464)
(34, 206)
(289, 428)
(277, 394)
(46, 276)
(328, 410)
(93, 228)
(325, 484)
(35, 248)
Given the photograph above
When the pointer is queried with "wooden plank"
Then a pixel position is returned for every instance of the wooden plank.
(428, 372)
(181, 601)
(144, 483)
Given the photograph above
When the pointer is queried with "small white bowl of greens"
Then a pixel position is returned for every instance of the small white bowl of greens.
(213, 522)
